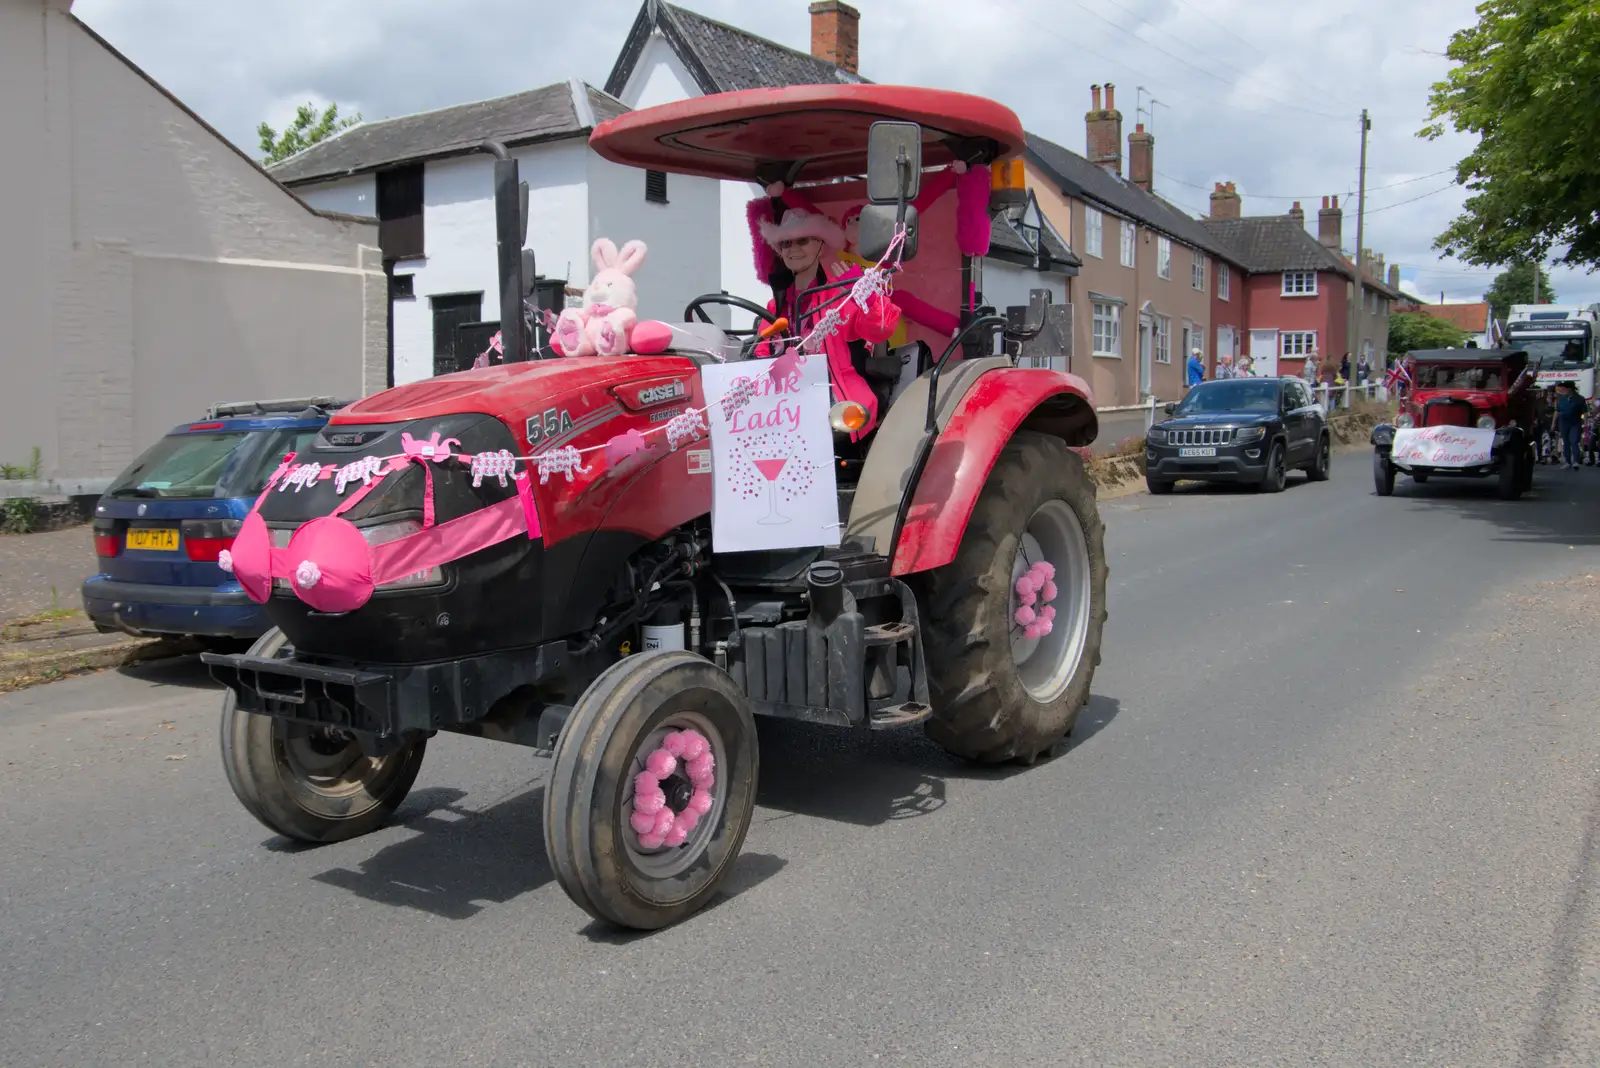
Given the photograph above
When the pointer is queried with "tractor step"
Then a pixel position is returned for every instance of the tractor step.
(889, 634)
(897, 716)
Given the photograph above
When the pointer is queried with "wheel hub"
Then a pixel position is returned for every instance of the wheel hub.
(678, 790)
(1046, 662)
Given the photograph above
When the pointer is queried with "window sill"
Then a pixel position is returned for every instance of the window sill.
(1107, 355)
(1293, 295)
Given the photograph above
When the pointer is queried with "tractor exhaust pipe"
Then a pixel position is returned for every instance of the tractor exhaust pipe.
(516, 268)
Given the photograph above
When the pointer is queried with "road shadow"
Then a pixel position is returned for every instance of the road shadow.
(1296, 480)
(869, 779)
(186, 671)
(749, 871)
(1563, 508)
(454, 867)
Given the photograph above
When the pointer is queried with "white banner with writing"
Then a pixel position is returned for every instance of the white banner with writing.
(1442, 446)
(772, 459)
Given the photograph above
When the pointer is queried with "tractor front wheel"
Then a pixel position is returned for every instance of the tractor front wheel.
(651, 790)
(310, 783)
(1000, 690)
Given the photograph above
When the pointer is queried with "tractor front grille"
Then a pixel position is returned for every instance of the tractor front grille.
(1449, 413)
(1207, 436)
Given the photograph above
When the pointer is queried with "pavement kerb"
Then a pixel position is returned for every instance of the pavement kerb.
(32, 669)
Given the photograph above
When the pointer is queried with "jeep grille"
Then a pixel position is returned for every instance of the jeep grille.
(1200, 437)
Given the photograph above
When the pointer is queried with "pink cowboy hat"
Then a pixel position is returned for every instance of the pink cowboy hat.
(800, 223)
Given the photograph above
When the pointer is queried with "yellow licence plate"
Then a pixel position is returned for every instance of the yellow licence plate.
(166, 540)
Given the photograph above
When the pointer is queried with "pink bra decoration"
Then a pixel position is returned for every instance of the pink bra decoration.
(332, 568)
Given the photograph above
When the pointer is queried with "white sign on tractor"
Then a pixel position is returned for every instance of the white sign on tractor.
(1442, 446)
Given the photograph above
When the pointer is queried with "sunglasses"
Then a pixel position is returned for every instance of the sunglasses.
(795, 242)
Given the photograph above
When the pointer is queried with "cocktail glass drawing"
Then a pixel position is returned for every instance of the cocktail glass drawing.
(770, 470)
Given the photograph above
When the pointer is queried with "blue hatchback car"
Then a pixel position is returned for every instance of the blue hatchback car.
(160, 527)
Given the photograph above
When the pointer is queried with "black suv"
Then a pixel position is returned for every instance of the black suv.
(1248, 430)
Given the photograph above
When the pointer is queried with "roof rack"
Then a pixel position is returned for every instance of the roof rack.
(285, 404)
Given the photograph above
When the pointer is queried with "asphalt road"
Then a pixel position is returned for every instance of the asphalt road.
(1320, 811)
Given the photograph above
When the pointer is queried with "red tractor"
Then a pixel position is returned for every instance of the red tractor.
(540, 624)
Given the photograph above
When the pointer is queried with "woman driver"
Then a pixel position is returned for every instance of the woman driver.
(800, 239)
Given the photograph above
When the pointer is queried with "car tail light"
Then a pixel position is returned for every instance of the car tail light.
(106, 544)
(204, 539)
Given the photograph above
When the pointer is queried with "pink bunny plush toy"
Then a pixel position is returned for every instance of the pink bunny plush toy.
(602, 326)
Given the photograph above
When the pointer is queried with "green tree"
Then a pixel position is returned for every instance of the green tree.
(1515, 286)
(1409, 331)
(306, 130)
(1527, 82)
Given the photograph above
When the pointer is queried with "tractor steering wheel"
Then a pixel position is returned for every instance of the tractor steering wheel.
(695, 309)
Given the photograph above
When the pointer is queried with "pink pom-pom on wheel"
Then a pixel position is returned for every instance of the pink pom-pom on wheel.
(1027, 597)
(687, 819)
(1049, 591)
(1046, 568)
(1024, 616)
(642, 822)
(664, 821)
(645, 784)
(651, 841)
(1047, 614)
(700, 769)
(675, 742)
(1025, 584)
(700, 802)
(694, 745)
(676, 836)
(661, 764)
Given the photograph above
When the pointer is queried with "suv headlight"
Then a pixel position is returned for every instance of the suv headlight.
(1250, 433)
(1157, 436)
(1485, 422)
(1403, 420)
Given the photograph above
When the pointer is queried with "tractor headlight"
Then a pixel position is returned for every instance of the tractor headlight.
(377, 535)
(1485, 422)
(1404, 420)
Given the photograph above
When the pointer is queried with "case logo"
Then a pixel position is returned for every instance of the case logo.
(670, 391)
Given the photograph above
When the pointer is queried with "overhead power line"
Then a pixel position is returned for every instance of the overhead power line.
(1413, 200)
(1304, 197)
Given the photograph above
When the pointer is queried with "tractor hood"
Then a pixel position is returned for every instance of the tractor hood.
(508, 391)
(804, 131)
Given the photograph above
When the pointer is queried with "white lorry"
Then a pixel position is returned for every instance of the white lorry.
(1561, 340)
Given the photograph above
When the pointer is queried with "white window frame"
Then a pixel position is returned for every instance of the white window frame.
(1164, 257)
(1105, 329)
(1093, 231)
(1162, 342)
(1296, 344)
(1130, 239)
(1299, 284)
(1197, 271)
(1222, 280)
(1197, 342)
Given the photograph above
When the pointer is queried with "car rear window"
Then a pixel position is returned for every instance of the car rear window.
(209, 464)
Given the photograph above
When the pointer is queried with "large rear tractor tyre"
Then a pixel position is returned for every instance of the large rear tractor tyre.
(312, 784)
(1382, 475)
(653, 712)
(997, 693)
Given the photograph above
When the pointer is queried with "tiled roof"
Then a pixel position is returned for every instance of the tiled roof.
(566, 109)
(1473, 318)
(1267, 243)
(721, 58)
(1008, 241)
(1087, 181)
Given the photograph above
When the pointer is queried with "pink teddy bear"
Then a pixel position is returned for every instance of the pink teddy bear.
(603, 325)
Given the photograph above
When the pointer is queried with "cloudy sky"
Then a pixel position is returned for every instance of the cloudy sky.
(1264, 93)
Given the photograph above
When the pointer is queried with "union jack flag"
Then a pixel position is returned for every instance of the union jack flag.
(1398, 374)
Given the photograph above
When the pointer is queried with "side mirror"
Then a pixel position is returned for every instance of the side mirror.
(878, 222)
(894, 162)
(1170, 407)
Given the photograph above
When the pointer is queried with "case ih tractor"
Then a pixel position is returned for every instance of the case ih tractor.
(416, 589)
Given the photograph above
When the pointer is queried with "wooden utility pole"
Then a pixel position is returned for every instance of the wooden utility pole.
(1358, 305)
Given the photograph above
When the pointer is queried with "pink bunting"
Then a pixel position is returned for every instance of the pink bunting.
(623, 446)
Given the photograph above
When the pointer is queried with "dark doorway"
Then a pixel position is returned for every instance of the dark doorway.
(450, 311)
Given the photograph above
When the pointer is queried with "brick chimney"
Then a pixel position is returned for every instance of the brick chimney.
(1105, 130)
(1224, 201)
(1142, 158)
(1297, 213)
(836, 34)
(1394, 276)
(1330, 224)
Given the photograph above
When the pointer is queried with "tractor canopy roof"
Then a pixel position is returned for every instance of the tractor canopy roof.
(1511, 358)
(813, 132)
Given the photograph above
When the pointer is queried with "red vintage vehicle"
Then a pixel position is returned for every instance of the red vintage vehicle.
(1488, 394)
(967, 483)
